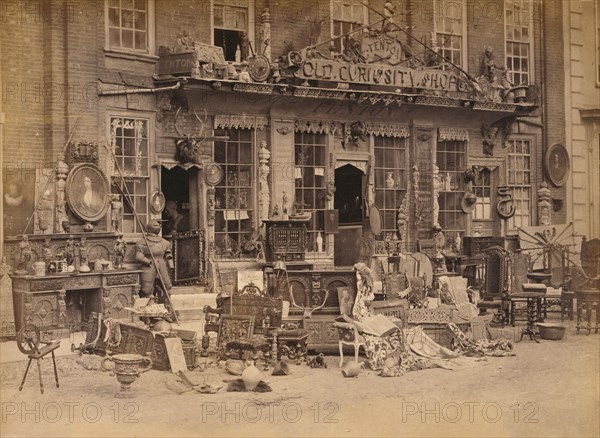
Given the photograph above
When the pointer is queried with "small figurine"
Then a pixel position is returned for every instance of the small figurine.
(119, 248)
(47, 251)
(317, 361)
(116, 205)
(285, 210)
(275, 213)
(83, 267)
(70, 251)
(25, 255)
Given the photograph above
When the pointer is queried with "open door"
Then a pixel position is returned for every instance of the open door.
(348, 200)
(179, 187)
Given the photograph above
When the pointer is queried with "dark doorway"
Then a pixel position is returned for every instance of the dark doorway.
(348, 200)
(175, 185)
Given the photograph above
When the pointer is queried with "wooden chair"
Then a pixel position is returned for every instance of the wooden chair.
(348, 334)
(495, 293)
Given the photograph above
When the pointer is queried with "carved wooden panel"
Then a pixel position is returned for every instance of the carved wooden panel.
(115, 300)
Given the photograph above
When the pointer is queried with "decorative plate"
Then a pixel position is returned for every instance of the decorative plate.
(259, 68)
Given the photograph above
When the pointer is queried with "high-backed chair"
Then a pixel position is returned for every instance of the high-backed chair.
(495, 292)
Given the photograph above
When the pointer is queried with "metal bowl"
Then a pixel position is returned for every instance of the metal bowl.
(552, 332)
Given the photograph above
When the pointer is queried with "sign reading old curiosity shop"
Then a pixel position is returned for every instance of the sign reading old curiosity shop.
(379, 74)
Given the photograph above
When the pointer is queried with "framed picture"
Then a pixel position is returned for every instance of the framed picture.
(87, 192)
(557, 164)
(233, 328)
(346, 300)
(157, 202)
(18, 202)
(188, 254)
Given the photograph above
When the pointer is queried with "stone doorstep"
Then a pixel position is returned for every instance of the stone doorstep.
(188, 290)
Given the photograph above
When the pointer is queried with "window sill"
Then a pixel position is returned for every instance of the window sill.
(144, 57)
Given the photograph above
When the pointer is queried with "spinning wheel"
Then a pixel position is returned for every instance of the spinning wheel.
(28, 339)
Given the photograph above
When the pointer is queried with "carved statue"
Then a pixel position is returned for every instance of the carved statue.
(119, 248)
(26, 253)
(437, 186)
(116, 205)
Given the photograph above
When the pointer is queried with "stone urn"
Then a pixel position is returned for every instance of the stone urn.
(127, 368)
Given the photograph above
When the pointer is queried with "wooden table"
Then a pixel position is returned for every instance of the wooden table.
(589, 300)
(534, 304)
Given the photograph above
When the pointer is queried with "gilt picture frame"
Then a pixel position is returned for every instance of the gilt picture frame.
(87, 192)
(557, 164)
(188, 254)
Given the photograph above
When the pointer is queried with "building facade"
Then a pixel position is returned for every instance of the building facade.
(379, 123)
(582, 97)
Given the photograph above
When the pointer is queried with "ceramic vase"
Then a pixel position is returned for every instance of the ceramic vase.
(389, 182)
(352, 369)
(251, 376)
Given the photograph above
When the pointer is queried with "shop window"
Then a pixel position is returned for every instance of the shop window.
(450, 30)
(130, 142)
(451, 162)
(234, 195)
(390, 180)
(130, 25)
(310, 181)
(346, 16)
(231, 29)
(519, 180)
(518, 14)
(482, 187)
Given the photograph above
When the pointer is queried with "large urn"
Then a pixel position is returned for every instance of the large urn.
(127, 368)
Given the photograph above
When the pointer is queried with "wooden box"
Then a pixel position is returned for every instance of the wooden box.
(475, 246)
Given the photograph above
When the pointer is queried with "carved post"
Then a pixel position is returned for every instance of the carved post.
(544, 217)
(211, 206)
(62, 169)
(265, 33)
(264, 192)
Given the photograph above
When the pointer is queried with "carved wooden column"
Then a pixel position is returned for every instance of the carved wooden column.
(544, 215)
(211, 206)
(265, 33)
(62, 169)
(264, 192)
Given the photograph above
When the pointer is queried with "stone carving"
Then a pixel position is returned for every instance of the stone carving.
(61, 203)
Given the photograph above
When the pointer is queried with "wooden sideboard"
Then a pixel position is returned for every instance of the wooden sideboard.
(61, 300)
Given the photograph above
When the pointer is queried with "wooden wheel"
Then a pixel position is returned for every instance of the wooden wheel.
(28, 339)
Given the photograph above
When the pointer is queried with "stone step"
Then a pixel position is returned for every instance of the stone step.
(188, 290)
(189, 306)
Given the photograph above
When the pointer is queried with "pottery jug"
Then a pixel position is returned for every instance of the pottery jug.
(352, 369)
(251, 376)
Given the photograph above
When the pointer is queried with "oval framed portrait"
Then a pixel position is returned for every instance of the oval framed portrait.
(157, 202)
(213, 173)
(557, 164)
(87, 191)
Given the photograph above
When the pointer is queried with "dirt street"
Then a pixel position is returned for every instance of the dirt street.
(547, 389)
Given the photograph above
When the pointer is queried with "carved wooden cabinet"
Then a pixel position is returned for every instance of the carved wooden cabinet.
(286, 240)
(47, 301)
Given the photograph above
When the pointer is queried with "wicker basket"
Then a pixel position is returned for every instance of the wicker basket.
(552, 332)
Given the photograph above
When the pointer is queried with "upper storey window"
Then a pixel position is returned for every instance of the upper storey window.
(129, 25)
(518, 14)
(231, 20)
(450, 30)
(346, 15)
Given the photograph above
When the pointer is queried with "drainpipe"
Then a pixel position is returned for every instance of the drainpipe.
(543, 51)
(141, 90)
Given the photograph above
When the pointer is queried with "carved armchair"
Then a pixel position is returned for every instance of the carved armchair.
(495, 294)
